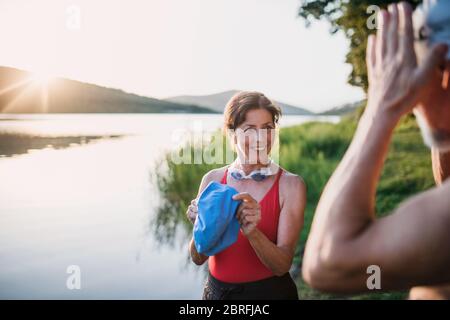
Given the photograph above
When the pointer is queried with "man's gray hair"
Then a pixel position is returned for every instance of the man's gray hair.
(432, 22)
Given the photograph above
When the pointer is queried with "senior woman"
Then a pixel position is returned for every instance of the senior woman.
(271, 213)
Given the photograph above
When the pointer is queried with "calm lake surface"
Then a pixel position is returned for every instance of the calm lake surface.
(90, 204)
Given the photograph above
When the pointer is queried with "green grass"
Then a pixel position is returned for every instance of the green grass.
(313, 150)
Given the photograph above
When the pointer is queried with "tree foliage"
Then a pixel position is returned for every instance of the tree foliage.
(351, 18)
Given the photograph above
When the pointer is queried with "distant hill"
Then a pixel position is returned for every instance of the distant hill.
(19, 95)
(218, 101)
(343, 109)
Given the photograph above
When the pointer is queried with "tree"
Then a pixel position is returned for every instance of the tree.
(350, 17)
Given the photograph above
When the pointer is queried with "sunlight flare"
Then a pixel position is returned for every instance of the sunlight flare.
(41, 78)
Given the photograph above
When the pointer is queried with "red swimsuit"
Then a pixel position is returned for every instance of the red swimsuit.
(239, 262)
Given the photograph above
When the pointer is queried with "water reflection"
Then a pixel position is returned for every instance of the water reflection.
(15, 144)
(178, 184)
(95, 206)
(168, 222)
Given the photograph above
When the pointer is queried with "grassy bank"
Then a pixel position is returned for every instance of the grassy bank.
(313, 150)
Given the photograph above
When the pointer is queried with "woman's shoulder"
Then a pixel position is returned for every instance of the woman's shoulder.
(293, 187)
(212, 175)
(291, 182)
(215, 174)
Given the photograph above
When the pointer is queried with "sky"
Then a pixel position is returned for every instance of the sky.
(164, 48)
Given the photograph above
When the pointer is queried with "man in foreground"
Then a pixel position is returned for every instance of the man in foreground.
(412, 245)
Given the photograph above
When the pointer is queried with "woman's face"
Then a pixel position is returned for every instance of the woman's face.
(254, 137)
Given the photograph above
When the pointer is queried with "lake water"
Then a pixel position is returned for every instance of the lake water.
(91, 205)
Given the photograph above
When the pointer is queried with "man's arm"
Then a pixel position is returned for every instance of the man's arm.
(441, 171)
(409, 246)
(441, 165)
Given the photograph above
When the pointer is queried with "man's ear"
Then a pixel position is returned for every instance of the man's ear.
(446, 78)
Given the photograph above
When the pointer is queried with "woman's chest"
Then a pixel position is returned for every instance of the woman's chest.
(258, 190)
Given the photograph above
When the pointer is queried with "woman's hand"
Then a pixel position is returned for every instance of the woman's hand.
(396, 83)
(192, 211)
(248, 213)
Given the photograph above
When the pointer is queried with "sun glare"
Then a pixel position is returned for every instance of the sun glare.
(41, 78)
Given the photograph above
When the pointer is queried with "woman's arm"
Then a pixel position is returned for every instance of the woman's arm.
(197, 257)
(278, 257)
